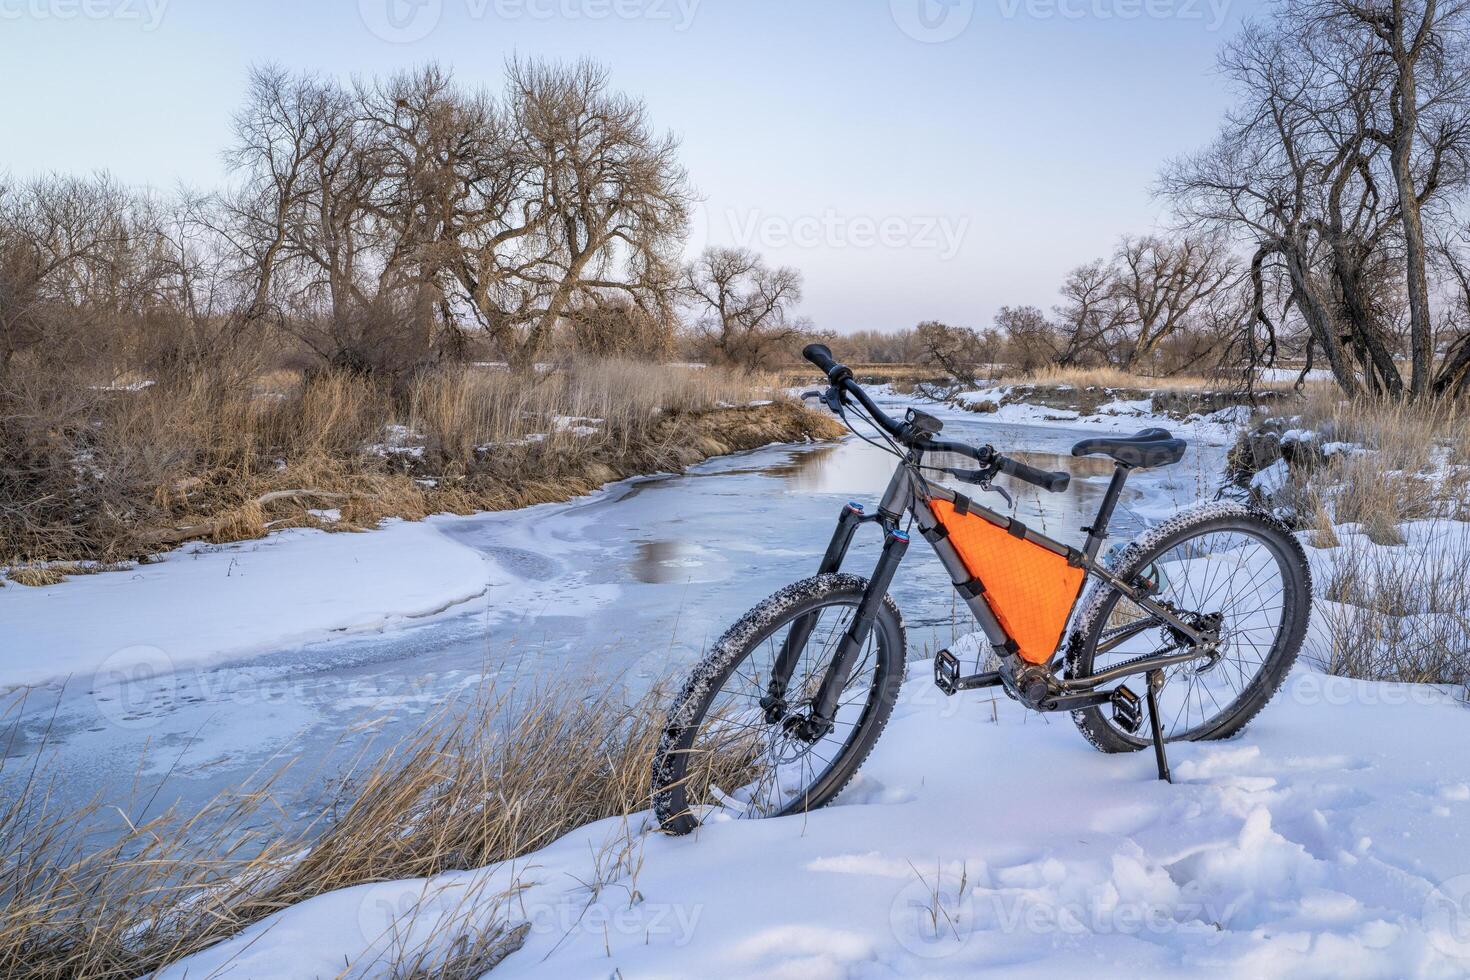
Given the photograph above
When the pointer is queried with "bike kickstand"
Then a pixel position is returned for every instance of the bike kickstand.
(1155, 683)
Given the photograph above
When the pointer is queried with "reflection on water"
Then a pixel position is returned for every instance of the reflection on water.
(851, 468)
(1078, 466)
(857, 469)
(663, 560)
(620, 590)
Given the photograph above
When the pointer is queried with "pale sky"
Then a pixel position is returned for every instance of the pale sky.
(916, 159)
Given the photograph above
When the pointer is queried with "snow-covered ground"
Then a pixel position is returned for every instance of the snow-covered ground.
(209, 603)
(1332, 839)
(1118, 415)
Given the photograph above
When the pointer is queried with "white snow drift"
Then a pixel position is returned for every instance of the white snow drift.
(1329, 840)
(207, 604)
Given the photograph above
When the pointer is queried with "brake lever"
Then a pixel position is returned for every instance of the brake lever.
(1005, 494)
(981, 478)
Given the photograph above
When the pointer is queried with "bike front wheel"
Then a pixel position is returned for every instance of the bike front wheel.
(723, 752)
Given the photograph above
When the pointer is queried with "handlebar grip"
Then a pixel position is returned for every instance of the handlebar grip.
(1054, 482)
(821, 356)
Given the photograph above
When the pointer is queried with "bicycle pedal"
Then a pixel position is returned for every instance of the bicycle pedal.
(1127, 710)
(947, 672)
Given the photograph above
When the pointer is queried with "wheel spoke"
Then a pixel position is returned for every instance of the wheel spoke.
(749, 767)
(1233, 573)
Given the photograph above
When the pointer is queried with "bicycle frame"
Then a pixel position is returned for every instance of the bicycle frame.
(1036, 685)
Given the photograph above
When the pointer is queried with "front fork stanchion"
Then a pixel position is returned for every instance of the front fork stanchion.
(824, 709)
(774, 702)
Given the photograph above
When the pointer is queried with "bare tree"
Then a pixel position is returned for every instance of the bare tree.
(1090, 317)
(77, 255)
(1273, 173)
(742, 305)
(277, 131)
(961, 352)
(450, 196)
(1351, 117)
(607, 197)
(1032, 341)
(1416, 49)
(1453, 379)
(1160, 283)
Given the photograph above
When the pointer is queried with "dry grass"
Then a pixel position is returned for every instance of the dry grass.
(1403, 613)
(113, 474)
(1109, 377)
(1416, 467)
(1400, 608)
(36, 576)
(482, 783)
(898, 374)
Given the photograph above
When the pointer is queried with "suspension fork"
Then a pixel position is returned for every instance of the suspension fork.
(824, 710)
(774, 702)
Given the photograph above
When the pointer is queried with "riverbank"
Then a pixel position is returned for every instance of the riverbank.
(608, 594)
(126, 471)
(207, 603)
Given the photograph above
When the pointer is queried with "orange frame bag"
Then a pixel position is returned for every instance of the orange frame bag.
(1031, 590)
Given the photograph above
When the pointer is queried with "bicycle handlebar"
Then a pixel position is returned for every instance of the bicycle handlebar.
(821, 356)
(1053, 481)
(840, 377)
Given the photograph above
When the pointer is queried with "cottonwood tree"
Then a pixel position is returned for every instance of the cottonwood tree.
(1273, 175)
(305, 222)
(451, 197)
(606, 199)
(1089, 321)
(1160, 283)
(1032, 341)
(376, 223)
(1309, 170)
(1415, 52)
(743, 306)
(961, 352)
(1453, 251)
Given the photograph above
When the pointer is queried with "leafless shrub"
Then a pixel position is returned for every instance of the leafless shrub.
(1401, 613)
(604, 329)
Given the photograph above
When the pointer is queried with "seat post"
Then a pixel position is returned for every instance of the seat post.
(1098, 532)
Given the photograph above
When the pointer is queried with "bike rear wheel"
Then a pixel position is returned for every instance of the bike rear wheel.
(721, 752)
(1236, 568)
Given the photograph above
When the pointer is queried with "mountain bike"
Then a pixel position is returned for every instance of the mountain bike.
(1208, 608)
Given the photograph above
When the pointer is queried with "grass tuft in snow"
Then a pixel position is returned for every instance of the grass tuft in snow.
(482, 782)
(1400, 613)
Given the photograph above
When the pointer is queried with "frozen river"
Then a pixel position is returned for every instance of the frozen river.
(621, 588)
